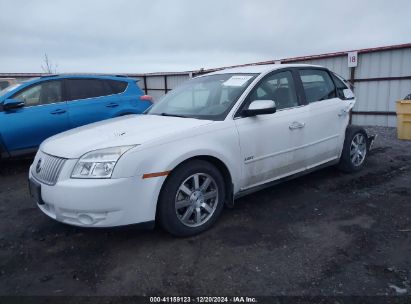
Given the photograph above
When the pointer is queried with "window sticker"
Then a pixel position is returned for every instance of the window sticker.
(237, 81)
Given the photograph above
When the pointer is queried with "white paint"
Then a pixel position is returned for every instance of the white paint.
(255, 150)
(237, 81)
(352, 59)
(348, 93)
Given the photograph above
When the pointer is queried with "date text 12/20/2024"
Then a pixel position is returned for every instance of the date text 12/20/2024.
(238, 299)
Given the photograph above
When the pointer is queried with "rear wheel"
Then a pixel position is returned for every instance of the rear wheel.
(191, 199)
(355, 150)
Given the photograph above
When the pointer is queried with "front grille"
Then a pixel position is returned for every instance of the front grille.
(46, 168)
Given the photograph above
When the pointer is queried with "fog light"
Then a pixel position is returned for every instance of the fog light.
(85, 219)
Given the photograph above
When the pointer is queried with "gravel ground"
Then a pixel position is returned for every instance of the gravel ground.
(327, 233)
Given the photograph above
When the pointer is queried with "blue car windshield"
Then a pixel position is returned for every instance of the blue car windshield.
(208, 97)
(8, 89)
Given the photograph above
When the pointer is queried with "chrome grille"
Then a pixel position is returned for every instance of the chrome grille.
(46, 168)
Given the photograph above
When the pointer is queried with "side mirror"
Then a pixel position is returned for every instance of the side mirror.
(10, 104)
(260, 107)
(348, 94)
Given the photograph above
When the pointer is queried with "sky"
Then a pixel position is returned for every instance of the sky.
(140, 36)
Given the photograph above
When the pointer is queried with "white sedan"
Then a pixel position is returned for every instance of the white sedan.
(209, 141)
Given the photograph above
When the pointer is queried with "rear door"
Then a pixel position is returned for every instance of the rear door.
(91, 100)
(327, 119)
(43, 115)
(269, 142)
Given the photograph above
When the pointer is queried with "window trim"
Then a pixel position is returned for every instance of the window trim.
(66, 88)
(297, 88)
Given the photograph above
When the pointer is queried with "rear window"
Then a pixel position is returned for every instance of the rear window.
(318, 85)
(90, 88)
(87, 88)
(116, 87)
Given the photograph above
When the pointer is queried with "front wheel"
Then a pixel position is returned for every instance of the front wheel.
(355, 150)
(191, 199)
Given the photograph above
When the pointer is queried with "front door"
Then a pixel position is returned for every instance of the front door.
(269, 142)
(44, 114)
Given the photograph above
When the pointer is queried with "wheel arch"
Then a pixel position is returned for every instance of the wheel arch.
(219, 164)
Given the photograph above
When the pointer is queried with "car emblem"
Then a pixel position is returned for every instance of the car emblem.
(38, 166)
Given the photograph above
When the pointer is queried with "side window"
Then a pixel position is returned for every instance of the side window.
(317, 84)
(116, 87)
(43, 93)
(340, 86)
(86, 88)
(278, 87)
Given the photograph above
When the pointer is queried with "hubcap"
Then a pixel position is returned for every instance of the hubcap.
(196, 199)
(358, 149)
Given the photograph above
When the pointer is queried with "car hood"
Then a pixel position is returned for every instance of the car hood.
(121, 131)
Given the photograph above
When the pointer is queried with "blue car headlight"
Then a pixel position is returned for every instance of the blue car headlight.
(99, 163)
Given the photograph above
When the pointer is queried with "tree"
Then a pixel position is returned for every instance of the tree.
(48, 66)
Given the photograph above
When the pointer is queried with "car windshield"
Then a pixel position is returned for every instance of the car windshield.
(207, 97)
(8, 89)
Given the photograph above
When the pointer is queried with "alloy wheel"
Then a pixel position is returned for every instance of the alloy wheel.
(358, 149)
(196, 199)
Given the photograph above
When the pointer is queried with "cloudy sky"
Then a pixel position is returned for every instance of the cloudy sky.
(134, 36)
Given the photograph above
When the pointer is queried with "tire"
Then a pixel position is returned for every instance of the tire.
(184, 208)
(353, 159)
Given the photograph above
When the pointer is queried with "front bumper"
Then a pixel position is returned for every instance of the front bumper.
(99, 202)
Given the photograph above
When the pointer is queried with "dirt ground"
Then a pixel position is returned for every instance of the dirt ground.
(327, 233)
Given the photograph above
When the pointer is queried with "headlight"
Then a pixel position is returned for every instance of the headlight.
(98, 163)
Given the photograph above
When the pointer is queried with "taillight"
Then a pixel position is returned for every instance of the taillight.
(146, 98)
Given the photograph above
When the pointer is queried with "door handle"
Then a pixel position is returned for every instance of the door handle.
(58, 112)
(296, 125)
(112, 105)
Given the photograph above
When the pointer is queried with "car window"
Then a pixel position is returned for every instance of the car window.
(9, 89)
(317, 84)
(206, 97)
(278, 87)
(340, 86)
(115, 86)
(86, 88)
(40, 94)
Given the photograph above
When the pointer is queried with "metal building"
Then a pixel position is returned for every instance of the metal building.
(382, 76)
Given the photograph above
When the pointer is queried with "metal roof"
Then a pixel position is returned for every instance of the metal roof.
(314, 57)
(284, 60)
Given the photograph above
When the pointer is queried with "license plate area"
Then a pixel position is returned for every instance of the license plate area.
(35, 191)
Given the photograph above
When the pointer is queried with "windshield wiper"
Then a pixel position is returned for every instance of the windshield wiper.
(174, 115)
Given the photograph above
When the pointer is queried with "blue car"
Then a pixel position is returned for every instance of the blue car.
(37, 109)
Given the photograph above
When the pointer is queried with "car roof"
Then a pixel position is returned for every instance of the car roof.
(258, 69)
(89, 75)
